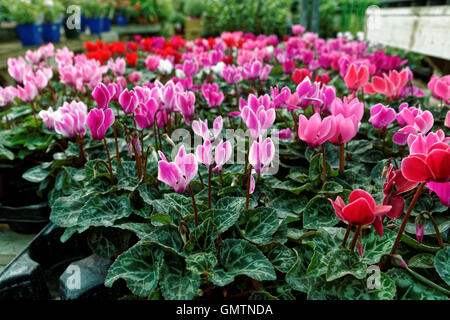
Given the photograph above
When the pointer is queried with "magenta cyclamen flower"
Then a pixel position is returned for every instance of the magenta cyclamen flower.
(189, 68)
(232, 74)
(152, 62)
(315, 131)
(280, 98)
(98, 121)
(178, 174)
(212, 94)
(440, 87)
(129, 101)
(185, 104)
(414, 121)
(222, 154)
(204, 153)
(348, 108)
(345, 129)
(381, 116)
(115, 89)
(258, 117)
(145, 114)
(261, 155)
(102, 96)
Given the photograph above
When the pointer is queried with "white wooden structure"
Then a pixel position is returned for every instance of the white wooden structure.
(424, 30)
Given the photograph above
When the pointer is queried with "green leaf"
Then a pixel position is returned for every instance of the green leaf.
(354, 289)
(127, 176)
(331, 188)
(281, 257)
(375, 247)
(176, 282)
(259, 225)
(201, 262)
(176, 205)
(238, 257)
(107, 242)
(316, 169)
(202, 238)
(409, 288)
(236, 204)
(167, 236)
(422, 260)
(291, 186)
(36, 174)
(296, 277)
(325, 244)
(261, 295)
(148, 193)
(345, 262)
(319, 213)
(442, 264)
(140, 229)
(222, 218)
(5, 153)
(139, 267)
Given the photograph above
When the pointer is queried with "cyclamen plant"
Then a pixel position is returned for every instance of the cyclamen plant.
(257, 206)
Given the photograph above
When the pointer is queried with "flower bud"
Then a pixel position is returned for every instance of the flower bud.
(420, 228)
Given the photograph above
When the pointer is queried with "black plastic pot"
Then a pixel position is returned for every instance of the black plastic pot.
(27, 219)
(34, 273)
(42, 271)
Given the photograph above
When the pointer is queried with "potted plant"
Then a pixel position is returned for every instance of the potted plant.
(107, 14)
(123, 9)
(193, 23)
(53, 14)
(94, 10)
(28, 16)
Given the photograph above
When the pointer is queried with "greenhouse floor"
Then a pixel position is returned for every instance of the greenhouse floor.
(11, 244)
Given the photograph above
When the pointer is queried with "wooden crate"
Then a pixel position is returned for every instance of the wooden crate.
(193, 28)
(424, 30)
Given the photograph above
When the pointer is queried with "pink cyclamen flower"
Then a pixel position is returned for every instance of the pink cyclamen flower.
(261, 155)
(232, 74)
(447, 120)
(72, 119)
(129, 101)
(442, 190)
(7, 95)
(189, 68)
(134, 77)
(422, 144)
(145, 114)
(356, 77)
(49, 116)
(115, 89)
(288, 66)
(102, 96)
(179, 173)
(200, 128)
(204, 153)
(185, 104)
(283, 134)
(297, 29)
(152, 62)
(440, 87)
(252, 70)
(315, 131)
(222, 154)
(348, 108)
(345, 129)
(33, 56)
(98, 121)
(414, 121)
(381, 116)
(28, 92)
(212, 94)
(117, 66)
(280, 98)
(391, 85)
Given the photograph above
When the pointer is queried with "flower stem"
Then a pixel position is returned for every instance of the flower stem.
(111, 176)
(6, 117)
(428, 282)
(194, 205)
(406, 217)
(341, 158)
(116, 143)
(209, 186)
(294, 121)
(347, 233)
(221, 178)
(247, 200)
(438, 233)
(355, 238)
(34, 113)
(324, 165)
(81, 155)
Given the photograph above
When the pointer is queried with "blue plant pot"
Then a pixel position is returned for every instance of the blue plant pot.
(51, 32)
(95, 25)
(106, 24)
(121, 20)
(83, 23)
(30, 34)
